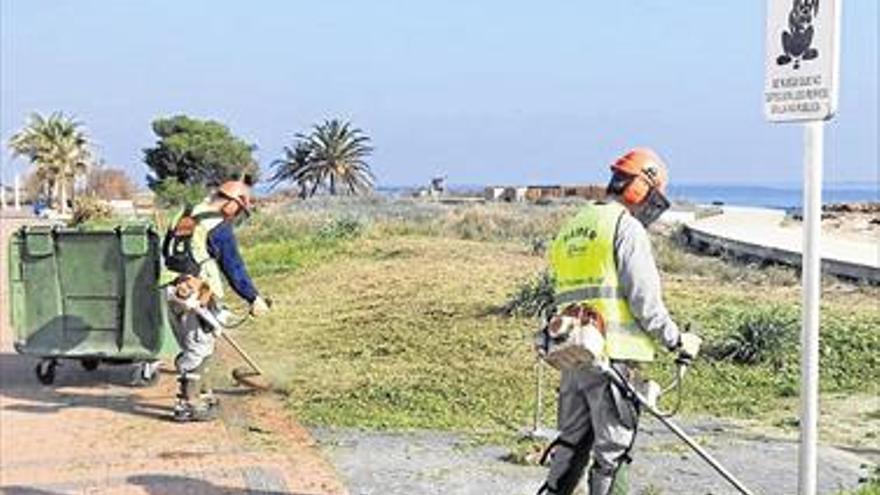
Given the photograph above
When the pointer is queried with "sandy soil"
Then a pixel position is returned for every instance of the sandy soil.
(95, 433)
(855, 221)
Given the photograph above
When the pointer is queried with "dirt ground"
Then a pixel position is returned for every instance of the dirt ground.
(92, 432)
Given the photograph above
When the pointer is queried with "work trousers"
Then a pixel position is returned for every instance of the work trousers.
(595, 421)
(195, 340)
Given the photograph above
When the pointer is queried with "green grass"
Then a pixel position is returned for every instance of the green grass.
(389, 337)
(384, 323)
(867, 489)
(280, 244)
(870, 485)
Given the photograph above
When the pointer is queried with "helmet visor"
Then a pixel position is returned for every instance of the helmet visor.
(654, 205)
(618, 184)
(243, 206)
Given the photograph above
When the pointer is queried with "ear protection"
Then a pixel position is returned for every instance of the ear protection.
(632, 189)
(637, 190)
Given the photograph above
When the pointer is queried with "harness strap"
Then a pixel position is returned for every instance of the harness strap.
(589, 292)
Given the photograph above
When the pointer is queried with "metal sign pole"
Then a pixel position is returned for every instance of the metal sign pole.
(802, 82)
(811, 282)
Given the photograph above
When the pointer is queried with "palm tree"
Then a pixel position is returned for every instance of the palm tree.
(339, 153)
(296, 167)
(58, 147)
(333, 155)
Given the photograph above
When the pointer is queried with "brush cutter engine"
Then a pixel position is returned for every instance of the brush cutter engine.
(573, 338)
(215, 315)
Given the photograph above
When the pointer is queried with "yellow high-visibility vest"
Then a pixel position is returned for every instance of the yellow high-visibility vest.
(585, 271)
(209, 271)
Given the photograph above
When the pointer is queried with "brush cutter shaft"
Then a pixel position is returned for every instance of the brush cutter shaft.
(675, 429)
(253, 364)
(217, 327)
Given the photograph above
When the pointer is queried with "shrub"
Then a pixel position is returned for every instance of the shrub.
(761, 335)
(869, 485)
(533, 297)
(90, 209)
(342, 228)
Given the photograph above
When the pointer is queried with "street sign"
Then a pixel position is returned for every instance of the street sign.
(802, 67)
(802, 62)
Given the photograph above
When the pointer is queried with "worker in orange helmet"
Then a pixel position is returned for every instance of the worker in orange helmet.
(602, 263)
(638, 182)
(200, 246)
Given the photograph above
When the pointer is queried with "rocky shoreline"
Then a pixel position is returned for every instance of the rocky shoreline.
(857, 220)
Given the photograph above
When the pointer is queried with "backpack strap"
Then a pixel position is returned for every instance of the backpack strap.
(177, 245)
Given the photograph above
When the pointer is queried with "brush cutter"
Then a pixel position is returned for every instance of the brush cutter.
(252, 377)
(647, 401)
(574, 339)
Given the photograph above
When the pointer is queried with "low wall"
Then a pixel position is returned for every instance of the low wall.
(715, 244)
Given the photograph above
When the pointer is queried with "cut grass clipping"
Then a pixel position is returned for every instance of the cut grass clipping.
(377, 328)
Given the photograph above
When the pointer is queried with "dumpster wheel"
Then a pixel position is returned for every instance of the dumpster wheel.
(146, 374)
(90, 364)
(45, 370)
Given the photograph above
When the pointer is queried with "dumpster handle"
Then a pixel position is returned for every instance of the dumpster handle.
(58, 278)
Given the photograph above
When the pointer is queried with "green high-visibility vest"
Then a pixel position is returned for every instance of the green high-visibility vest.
(207, 219)
(585, 271)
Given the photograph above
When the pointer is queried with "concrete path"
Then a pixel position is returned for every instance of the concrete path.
(761, 233)
(94, 433)
(432, 463)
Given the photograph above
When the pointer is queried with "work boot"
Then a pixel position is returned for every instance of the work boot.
(185, 412)
(208, 397)
(614, 483)
(182, 411)
(204, 412)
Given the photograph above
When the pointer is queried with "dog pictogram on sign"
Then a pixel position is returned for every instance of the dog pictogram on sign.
(797, 41)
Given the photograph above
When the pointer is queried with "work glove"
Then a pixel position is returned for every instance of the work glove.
(688, 346)
(259, 307)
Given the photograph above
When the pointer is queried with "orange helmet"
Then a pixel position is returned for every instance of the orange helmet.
(238, 191)
(636, 174)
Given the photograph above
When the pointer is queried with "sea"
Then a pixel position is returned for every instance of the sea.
(783, 196)
(786, 197)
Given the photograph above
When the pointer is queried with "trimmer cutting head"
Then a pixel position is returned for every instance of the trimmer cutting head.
(251, 379)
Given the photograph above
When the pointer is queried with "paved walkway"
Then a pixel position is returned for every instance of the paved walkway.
(435, 463)
(93, 433)
(762, 233)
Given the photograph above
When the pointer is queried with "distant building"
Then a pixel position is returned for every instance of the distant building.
(438, 186)
(542, 192)
(435, 189)
(493, 193)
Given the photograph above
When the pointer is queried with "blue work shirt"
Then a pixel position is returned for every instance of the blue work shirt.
(223, 247)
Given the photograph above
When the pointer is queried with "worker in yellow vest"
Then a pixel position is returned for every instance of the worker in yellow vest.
(602, 260)
(199, 246)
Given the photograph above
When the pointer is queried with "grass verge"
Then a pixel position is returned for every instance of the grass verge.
(385, 326)
(385, 320)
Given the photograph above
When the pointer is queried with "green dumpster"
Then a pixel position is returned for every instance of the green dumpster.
(90, 295)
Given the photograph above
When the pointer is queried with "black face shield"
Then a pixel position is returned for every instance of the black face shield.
(651, 209)
(617, 184)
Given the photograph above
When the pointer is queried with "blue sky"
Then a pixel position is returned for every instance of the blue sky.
(491, 91)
